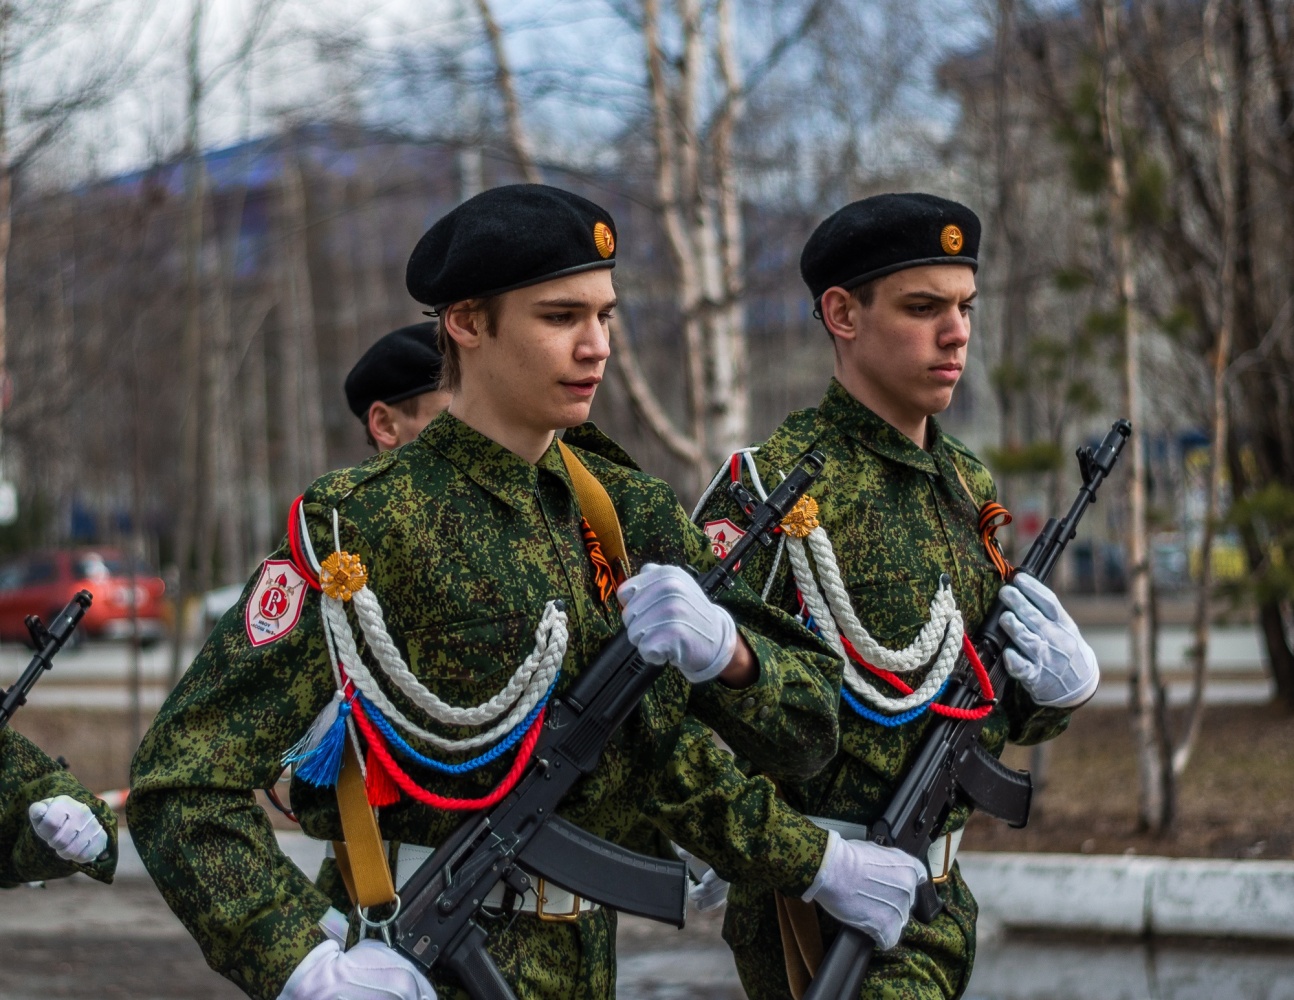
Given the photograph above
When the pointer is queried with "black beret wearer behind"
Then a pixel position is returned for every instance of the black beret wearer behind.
(889, 232)
(506, 238)
(403, 364)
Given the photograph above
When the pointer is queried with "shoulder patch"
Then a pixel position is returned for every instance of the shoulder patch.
(275, 604)
(722, 533)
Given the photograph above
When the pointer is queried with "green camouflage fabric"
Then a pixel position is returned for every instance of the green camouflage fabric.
(898, 517)
(27, 775)
(465, 542)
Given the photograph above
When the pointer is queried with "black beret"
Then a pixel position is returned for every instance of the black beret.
(509, 237)
(403, 364)
(889, 232)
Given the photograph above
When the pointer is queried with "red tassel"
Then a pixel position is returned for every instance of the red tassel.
(381, 790)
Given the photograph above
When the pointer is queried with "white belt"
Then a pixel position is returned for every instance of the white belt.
(546, 901)
(940, 858)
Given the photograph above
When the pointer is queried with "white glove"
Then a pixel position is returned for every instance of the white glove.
(70, 827)
(670, 620)
(868, 887)
(369, 971)
(709, 892)
(1047, 655)
(335, 924)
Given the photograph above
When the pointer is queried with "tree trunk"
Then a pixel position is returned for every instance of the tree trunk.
(303, 408)
(192, 359)
(1156, 797)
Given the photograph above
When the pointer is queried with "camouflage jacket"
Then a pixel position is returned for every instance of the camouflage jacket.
(465, 542)
(28, 775)
(898, 517)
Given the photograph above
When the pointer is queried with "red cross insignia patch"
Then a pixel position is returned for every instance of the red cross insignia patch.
(274, 608)
(723, 534)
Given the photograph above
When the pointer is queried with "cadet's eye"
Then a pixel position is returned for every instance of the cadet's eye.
(559, 318)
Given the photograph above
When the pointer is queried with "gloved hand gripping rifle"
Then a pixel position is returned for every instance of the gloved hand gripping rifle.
(47, 642)
(952, 766)
(436, 920)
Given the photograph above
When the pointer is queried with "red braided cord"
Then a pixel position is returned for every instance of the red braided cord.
(377, 749)
(981, 675)
(295, 547)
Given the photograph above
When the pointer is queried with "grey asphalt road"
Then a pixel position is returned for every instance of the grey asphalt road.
(76, 940)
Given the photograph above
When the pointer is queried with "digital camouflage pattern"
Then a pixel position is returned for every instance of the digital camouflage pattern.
(898, 517)
(27, 775)
(465, 542)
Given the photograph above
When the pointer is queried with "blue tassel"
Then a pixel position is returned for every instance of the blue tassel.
(316, 759)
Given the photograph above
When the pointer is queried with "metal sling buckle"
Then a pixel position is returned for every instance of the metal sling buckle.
(944, 875)
(555, 918)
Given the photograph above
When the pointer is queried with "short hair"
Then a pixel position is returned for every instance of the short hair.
(487, 311)
(409, 407)
(864, 295)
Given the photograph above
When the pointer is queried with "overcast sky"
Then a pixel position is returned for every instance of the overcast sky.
(558, 47)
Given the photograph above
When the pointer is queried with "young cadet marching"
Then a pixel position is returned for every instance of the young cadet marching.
(50, 824)
(898, 565)
(443, 564)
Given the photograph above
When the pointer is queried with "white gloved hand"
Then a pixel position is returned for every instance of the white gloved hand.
(709, 891)
(1047, 654)
(868, 887)
(670, 620)
(369, 971)
(70, 827)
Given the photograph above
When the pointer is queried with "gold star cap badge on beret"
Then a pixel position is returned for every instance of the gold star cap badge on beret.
(604, 239)
(885, 233)
(506, 238)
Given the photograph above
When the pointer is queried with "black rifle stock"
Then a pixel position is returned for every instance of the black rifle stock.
(47, 642)
(952, 764)
(520, 837)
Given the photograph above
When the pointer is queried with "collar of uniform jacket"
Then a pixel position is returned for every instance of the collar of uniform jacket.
(854, 419)
(502, 473)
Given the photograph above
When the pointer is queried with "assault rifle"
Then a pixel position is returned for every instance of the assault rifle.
(46, 642)
(952, 766)
(520, 839)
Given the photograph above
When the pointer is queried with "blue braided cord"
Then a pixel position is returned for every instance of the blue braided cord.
(871, 715)
(491, 755)
(890, 721)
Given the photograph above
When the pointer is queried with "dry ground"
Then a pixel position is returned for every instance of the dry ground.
(1235, 801)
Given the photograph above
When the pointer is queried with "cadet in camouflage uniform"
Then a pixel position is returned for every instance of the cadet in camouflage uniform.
(465, 534)
(50, 824)
(893, 279)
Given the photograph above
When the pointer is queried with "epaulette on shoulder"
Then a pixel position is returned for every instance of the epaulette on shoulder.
(589, 437)
(332, 487)
(792, 438)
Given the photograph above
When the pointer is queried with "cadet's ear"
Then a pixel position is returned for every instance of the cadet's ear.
(381, 426)
(838, 314)
(465, 324)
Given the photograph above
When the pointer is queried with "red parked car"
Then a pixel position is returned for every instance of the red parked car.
(41, 583)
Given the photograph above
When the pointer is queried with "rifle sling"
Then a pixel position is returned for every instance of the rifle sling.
(802, 947)
(360, 855)
(597, 508)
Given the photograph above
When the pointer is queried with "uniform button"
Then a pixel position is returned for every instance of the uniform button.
(764, 712)
(748, 703)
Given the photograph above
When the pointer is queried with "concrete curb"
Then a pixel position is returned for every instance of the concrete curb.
(1134, 895)
(1105, 894)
